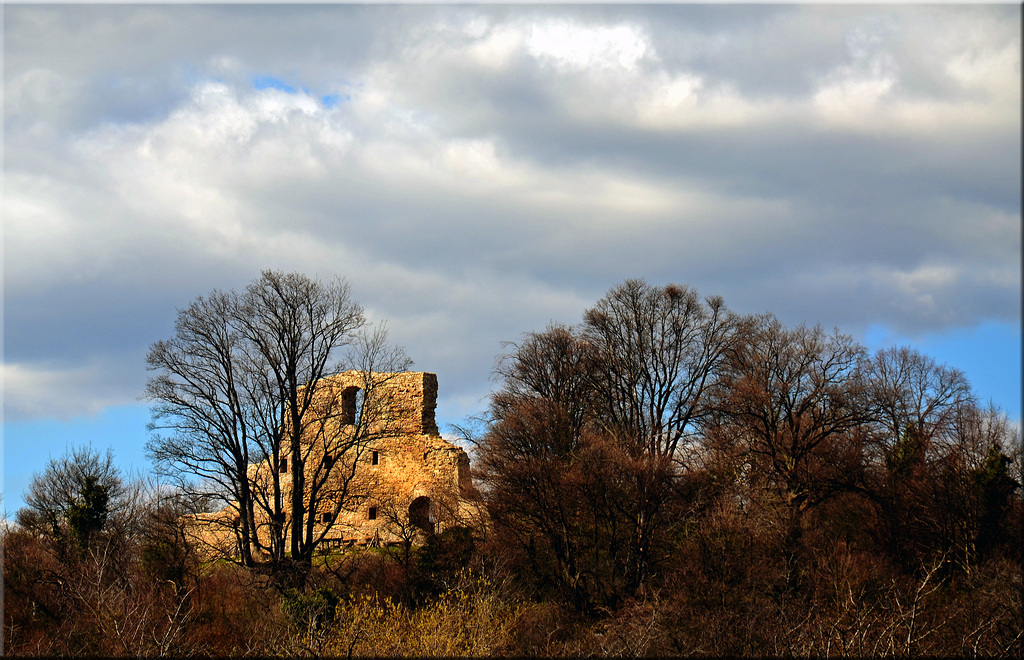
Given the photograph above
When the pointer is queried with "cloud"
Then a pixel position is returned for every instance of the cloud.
(40, 390)
(569, 45)
(479, 172)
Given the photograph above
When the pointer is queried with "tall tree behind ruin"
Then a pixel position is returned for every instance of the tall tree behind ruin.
(792, 404)
(656, 353)
(918, 406)
(590, 434)
(242, 382)
(532, 458)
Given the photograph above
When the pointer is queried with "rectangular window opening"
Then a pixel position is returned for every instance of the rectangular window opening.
(284, 465)
(373, 513)
(375, 459)
(326, 517)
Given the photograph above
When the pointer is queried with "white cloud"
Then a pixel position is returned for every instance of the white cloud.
(853, 100)
(988, 70)
(43, 391)
(493, 49)
(571, 45)
(493, 170)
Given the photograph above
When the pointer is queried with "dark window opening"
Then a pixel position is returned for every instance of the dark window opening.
(421, 514)
(375, 459)
(373, 513)
(351, 405)
(326, 517)
(284, 465)
(328, 461)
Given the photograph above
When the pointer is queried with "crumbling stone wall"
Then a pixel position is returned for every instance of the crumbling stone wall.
(410, 481)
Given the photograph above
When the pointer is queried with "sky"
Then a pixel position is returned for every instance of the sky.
(478, 172)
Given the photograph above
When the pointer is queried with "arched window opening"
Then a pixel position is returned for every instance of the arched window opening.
(351, 405)
(421, 514)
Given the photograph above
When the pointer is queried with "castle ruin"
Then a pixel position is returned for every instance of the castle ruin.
(396, 477)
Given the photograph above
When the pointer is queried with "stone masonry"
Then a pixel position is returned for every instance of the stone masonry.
(407, 481)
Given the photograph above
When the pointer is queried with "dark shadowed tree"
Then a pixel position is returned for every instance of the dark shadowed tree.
(656, 352)
(530, 460)
(591, 431)
(919, 405)
(792, 404)
(88, 511)
(972, 489)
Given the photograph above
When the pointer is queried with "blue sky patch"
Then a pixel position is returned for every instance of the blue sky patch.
(269, 82)
(971, 350)
(334, 100)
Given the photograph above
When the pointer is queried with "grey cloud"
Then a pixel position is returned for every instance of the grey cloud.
(473, 189)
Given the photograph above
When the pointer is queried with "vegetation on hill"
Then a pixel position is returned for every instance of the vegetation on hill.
(665, 478)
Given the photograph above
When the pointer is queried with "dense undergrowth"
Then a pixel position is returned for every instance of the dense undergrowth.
(668, 478)
(723, 592)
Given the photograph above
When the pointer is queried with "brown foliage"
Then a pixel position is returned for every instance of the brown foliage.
(662, 481)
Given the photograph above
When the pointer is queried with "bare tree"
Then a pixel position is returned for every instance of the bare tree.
(205, 395)
(919, 407)
(244, 390)
(589, 431)
(53, 493)
(793, 402)
(293, 328)
(657, 350)
(914, 396)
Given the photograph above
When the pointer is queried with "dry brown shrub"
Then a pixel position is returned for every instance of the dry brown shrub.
(477, 619)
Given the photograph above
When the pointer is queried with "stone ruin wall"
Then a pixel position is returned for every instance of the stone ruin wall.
(413, 462)
(412, 397)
